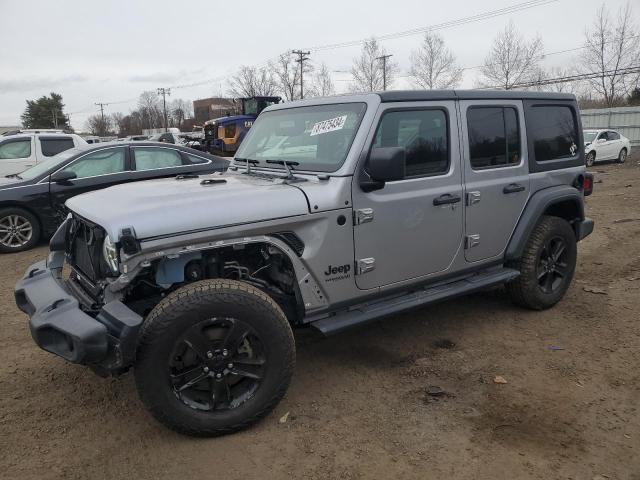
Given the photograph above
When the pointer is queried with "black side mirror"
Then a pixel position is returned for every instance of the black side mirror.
(63, 176)
(385, 164)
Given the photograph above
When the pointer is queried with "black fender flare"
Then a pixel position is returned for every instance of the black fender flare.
(538, 203)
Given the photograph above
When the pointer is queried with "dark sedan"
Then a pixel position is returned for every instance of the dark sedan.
(32, 202)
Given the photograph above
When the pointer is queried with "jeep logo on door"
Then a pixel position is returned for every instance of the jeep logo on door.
(336, 273)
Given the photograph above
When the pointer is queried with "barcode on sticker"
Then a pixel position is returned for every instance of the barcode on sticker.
(330, 125)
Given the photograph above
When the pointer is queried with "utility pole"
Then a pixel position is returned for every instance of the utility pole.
(54, 114)
(164, 92)
(102, 105)
(302, 57)
(383, 58)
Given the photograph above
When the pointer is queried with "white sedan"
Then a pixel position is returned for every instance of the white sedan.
(605, 145)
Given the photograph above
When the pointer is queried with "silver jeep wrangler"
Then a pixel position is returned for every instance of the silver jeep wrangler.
(335, 212)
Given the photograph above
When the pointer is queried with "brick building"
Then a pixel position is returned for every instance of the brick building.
(208, 108)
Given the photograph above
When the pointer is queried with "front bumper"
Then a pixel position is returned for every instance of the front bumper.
(106, 341)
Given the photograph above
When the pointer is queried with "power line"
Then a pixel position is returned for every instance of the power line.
(440, 26)
(571, 78)
(302, 57)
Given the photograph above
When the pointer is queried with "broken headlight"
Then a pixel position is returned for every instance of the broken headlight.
(110, 254)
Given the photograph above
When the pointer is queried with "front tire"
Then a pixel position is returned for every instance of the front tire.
(547, 265)
(622, 156)
(19, 230)
(214, 357)
(591, 159)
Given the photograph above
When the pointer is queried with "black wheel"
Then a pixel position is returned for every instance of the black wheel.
(546, 266)
(19, 230)
(591, 158)
(214, 357)
(622, 156)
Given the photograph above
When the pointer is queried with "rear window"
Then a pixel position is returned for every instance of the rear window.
(53, 146)
(554, 132)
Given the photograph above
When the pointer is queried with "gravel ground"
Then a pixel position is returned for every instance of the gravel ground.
(358, 406)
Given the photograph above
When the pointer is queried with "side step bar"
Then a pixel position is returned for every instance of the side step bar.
(374, 311)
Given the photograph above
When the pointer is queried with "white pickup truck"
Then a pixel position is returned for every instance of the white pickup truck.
(24, 150)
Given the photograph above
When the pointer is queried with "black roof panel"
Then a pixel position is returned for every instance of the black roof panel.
(421, 95)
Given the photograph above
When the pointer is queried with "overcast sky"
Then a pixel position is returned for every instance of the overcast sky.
(111, 51)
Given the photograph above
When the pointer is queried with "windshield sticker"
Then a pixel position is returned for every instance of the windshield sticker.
(330, 125)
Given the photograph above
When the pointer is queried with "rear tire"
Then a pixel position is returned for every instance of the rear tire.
(547, 265)
(591, 159)
(622, 156)
(214, 357)
(19, 230)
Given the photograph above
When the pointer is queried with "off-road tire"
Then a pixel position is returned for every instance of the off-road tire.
(622, 156)
(178, 312)
(591, 159)
(524, 290)
(16, 212)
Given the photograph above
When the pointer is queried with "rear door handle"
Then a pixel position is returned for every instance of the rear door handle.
(513, 188)
(446, 199)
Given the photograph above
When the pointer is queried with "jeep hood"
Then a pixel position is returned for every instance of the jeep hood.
(170, 206)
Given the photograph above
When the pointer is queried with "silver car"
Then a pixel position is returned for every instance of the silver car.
(336, 212)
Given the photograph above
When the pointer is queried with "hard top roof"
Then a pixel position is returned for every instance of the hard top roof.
(418, 95)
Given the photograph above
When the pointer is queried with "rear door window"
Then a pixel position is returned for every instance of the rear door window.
(553, 131)
(614, 136)
(53, 146)
(150, 158)
(494, 137)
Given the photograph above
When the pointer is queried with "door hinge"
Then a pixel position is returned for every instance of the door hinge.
(365, 265)
(362, 215)
(472, 241)
(473, 197)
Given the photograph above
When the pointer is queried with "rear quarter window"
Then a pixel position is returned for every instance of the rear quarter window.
(553, 131)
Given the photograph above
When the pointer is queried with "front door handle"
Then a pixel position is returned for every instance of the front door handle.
(513, 188)
(446, 199)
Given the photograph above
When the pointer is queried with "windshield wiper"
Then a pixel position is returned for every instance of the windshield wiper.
(288, 164)
(13, 175)
(249, 162)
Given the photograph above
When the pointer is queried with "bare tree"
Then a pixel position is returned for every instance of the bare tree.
(287, 75)
(150, 111)
(322, 84)
(253, 81)
(433, 65)
(367, 69)
(117, 122)
(512, 60)
(179, 110)
(611, 46)
(99, 125)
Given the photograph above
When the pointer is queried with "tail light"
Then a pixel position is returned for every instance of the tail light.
(587, 184)
(584, 182)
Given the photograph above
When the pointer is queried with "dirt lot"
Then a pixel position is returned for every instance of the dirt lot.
(357, 406)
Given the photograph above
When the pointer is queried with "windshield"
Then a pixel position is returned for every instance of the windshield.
(590, 136)
(317, 137)
(49, 164)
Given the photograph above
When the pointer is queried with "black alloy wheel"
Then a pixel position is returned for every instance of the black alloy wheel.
(552, 265)
(218, 364)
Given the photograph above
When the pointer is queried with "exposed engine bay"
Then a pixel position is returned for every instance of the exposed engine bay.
(261, 265)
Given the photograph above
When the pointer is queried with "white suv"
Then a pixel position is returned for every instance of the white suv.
(605, 145)
(24, 150)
